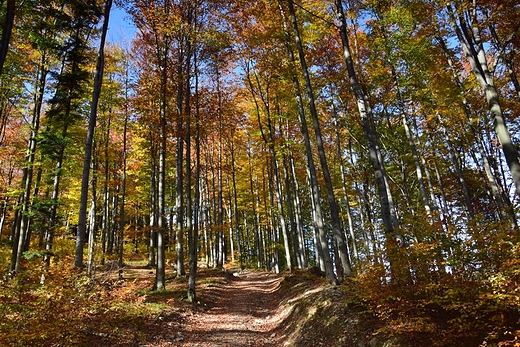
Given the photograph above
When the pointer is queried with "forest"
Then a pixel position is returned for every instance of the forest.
(372, 141)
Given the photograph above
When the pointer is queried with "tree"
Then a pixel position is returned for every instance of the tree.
(465, 22)
(345, 269)
(365, 113)
(6, 31)
(98, 82)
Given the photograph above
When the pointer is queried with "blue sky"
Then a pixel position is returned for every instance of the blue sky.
(120, 29)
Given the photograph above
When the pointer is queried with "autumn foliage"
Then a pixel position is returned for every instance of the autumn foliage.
(375, 142)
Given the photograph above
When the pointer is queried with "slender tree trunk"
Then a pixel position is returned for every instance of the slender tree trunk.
(418, 170)
(123, 194)
(456, 165)
(322, 251)
(160, 275)
(98, 82)
(298, 213)
(179, 208)
(293, 217)
(278, 194)
(344, 186)
(473, 47)
(274, 230)
(506, 57)
(255, 212)
(21, 224)
(152, 246)
(92, 216)
(179, 196)
(5, 205)
(235, 206)
(193, 245)
(49, 236)
(6, 32)
(105, 225)
(492, 181)
(345, 269)
(113, 239)
(219, 239)
(365, 112)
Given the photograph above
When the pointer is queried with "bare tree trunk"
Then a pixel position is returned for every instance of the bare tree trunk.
(152, 245)
(456, 165)
(98, 82)
(344, 185)
(123, 194)
(473, 47)
(492, 181)
(255, 212)
(298, 213)
(179, 199)
(322, 252)
(160, 273)
(345, 268)
(235, 206)
(92, 217)
(22, 224)
(294, 218)
(193, 245)
(365, 112)
(49, 236)
(6, 32)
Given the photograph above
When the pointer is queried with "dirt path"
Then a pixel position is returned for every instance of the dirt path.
(243, 312)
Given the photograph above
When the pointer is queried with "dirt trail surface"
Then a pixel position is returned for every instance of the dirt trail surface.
(243, 312)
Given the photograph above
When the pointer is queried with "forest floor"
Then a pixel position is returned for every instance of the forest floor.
(233, 309)
(244, 308)
(240, 311)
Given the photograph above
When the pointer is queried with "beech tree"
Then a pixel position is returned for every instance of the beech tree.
(465, 22)
(98, 82)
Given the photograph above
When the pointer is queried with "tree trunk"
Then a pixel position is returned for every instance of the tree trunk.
(255, 213)
(160, 273)
(152, 245)
(456, 165)
(179, 207)
(179, 178)
(473, 47)
(49, 236)
(92, 217)
(345, 269)
(344, 186)
(193, 245)
(98, 82)
(365, 112)
(293, 221)
(492, 181)
(6, 32)
(298, 213)
(123, 193)
(22, 223)
(322, 251)
(235, 206)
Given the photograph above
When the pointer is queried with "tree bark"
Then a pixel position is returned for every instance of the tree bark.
(92, 217)
(322, 249)
(98, 83)
(345, 269)
(473, 47)
(365, 112)
(193, 245)
(6, 32)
